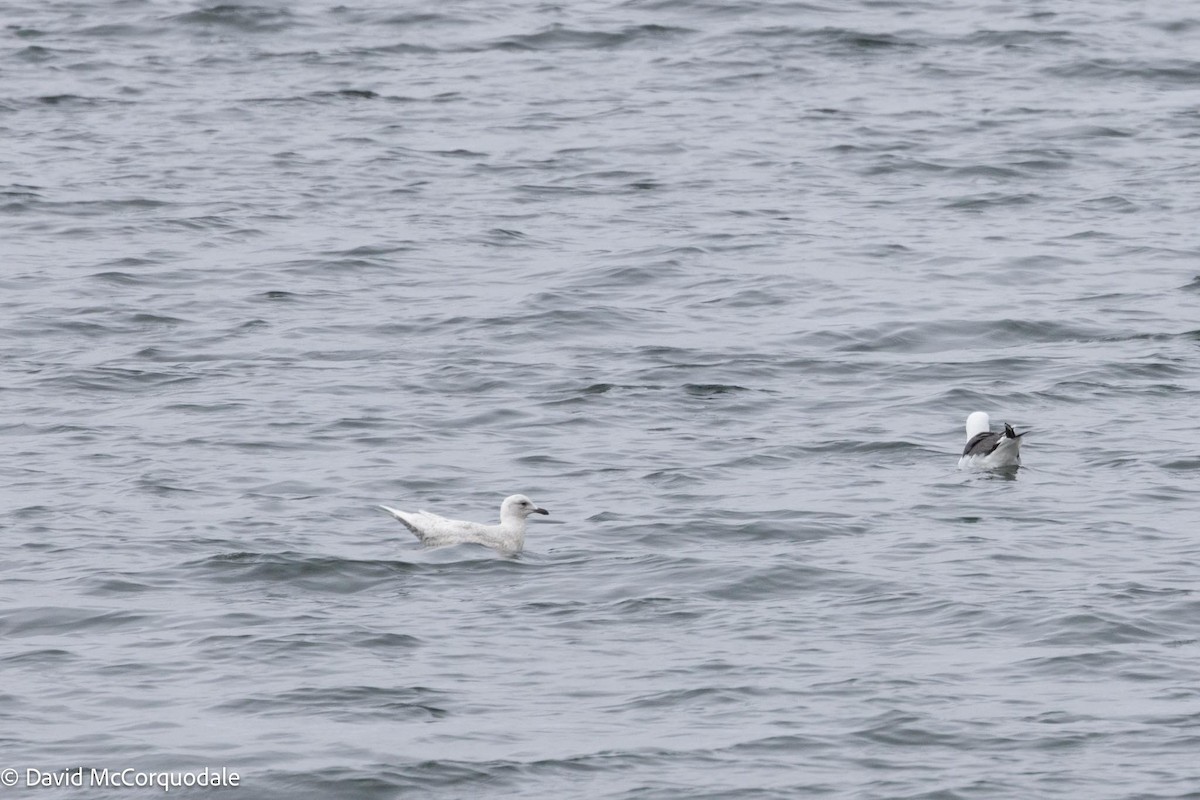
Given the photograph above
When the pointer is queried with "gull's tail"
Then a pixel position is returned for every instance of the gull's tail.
(1008, 450)
(403, 517)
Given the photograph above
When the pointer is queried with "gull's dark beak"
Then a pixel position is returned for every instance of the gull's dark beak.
(541, 511)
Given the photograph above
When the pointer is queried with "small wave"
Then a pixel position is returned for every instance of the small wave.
(1173, 72)
(1022, 39)
(321, 573)
(990, 200)
(246, 18)
(347, 703)
(58, 621)
(960, 335)
(560, 37)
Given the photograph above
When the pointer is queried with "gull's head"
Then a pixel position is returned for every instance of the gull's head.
(518, 506)
(978, 423)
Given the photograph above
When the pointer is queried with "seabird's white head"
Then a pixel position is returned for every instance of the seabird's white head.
(978, 423)
(517, 507)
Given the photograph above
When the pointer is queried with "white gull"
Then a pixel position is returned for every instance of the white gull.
(987, 450)
(507, 537)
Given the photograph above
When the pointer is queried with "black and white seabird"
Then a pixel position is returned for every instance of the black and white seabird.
(987, 450)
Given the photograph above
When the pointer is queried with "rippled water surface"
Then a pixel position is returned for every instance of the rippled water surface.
(717, 284)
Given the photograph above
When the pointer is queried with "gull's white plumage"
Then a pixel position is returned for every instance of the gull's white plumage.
(987, 450)
(508, 536)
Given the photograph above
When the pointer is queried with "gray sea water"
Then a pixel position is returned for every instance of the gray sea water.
(715, 283)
